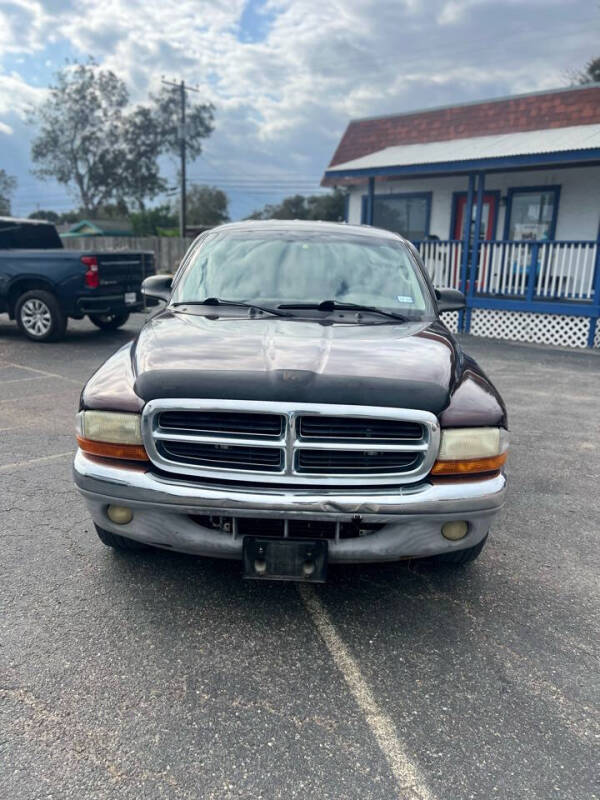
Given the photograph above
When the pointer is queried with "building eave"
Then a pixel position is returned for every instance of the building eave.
(562, 158)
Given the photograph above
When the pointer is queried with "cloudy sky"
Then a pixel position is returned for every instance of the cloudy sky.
(285, 75)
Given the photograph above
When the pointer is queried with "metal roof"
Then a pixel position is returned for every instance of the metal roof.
(552, 140)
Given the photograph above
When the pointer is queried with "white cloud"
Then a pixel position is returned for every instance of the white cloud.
(16, 95)
(23, 24)
(283, 98)
(6, 129)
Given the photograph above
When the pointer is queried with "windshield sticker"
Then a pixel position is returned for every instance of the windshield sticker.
(404, 298)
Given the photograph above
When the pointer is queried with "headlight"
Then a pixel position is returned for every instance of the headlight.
(471, 450)
(111, 434)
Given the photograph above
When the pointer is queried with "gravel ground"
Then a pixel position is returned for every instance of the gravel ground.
(161, 675)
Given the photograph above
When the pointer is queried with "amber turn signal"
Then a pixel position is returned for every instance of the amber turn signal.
(131, 452)
(470, 466)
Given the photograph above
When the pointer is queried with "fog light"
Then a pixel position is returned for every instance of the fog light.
(120, 515)
(455, 530)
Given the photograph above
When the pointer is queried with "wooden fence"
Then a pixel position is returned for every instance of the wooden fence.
(168, 251)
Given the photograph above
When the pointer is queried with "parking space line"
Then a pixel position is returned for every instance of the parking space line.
(19, 399)
(42, 372)
(410, 784)
(17, 464)
(19, 380)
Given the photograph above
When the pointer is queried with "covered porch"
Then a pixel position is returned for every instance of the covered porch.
(496, 198)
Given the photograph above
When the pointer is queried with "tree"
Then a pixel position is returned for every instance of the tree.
(80, 143)
(590, 73)
(293, 207)
(48, 216)
(52, 216)
(143, 142)
(91, 141)
(7, 186)
(198, 122)
(207, 205)
(329, 207)
(118, 210)
(154, 221)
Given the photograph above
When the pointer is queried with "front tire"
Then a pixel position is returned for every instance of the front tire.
(458, 558)
(40, 317)
(109, 322)
(119, 542)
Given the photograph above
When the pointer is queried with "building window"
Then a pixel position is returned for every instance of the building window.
(531, 213)
(406, 214)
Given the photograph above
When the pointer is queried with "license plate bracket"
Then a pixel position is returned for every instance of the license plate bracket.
(302, 560)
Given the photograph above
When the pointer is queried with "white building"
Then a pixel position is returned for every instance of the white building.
(525, 172)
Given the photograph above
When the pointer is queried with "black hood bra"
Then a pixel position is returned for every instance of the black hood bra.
(408, 365)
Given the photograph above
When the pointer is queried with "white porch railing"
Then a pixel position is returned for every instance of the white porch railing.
(442, 260)
(563, 270)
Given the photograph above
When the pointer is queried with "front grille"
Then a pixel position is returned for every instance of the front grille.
(223, 455)
(328, 428)
(233, 423)
(359, 462)
(307, 444)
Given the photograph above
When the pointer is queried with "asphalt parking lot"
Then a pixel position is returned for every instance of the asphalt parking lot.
(165, 676)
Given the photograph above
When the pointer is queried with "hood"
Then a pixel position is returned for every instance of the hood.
(408, 365)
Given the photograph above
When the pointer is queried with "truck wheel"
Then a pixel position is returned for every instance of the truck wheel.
(39, 316)
(118, 542)
(109, 322)
(459, 557)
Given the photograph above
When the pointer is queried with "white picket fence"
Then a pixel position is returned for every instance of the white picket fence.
(168, 251)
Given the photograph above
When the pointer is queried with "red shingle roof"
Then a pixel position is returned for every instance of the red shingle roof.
(555, 109)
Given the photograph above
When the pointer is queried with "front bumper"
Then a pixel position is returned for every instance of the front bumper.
(413, 514)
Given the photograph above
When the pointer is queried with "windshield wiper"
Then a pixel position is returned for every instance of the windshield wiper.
(334, 305)
(218, 301)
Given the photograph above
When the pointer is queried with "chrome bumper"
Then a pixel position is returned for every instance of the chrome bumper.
(413, 514)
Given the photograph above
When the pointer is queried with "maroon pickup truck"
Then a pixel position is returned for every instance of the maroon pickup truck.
(297, 402)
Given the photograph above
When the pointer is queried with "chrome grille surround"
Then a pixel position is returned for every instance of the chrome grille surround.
(290, 443)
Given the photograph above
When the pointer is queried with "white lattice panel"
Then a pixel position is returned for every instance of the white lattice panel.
(528, 327)
(597, 336)
(450, 320)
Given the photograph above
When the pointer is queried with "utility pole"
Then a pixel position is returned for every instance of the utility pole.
(182, 88)
(182, 205)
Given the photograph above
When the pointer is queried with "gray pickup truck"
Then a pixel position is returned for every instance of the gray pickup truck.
(42, 284)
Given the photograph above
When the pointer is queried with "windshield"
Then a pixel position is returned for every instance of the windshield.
(272, 267)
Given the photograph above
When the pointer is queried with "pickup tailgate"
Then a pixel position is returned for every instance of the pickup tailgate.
(112, 283)
(123, 272)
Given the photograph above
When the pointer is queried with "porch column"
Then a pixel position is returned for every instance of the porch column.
(370, 201)
(475, 248)
(466, 234)
(596, 284)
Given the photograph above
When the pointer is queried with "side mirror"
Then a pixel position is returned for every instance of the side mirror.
(158, 287)
(450, 300)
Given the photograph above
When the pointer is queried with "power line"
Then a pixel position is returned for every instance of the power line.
(261, 181)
